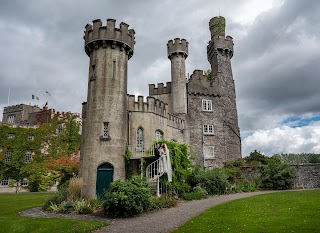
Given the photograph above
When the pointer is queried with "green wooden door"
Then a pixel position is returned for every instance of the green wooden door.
(104, 178)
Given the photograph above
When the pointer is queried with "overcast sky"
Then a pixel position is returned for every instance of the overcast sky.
(276, 63)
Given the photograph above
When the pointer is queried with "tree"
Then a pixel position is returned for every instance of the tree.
(256, 158)
(277, 174)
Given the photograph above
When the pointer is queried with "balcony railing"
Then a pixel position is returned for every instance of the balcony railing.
(141, 151)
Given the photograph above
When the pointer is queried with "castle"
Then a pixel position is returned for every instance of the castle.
(199, 111)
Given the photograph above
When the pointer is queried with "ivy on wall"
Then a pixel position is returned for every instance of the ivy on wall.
(45, 142)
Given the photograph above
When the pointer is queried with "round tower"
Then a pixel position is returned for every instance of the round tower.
(220, 52)
(105, 113)
(177, 53)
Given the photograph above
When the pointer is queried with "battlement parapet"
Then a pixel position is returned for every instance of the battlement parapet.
(199, 83)
(97, 35)
(18, 107)
(178, 46)
(152, 105)
(176, 122)
(160, 89)
(220, 44)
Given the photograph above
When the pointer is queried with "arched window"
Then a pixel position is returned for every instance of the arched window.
(158, 135)
(139, 139)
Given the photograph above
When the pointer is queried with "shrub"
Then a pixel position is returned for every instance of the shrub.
(163, 202)
(197, 194)
(212, 181)
(58, 198)
(128, 198)
(75, 186)
(277, 174)
(83, 206)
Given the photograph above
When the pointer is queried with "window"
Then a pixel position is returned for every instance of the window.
(60, 128)
(28, 157)
(158, 135)
(208, 151)
(208, 129)
(30, 137)
(207, 105)
(139, 140)
(5, 181)
(105, 130)
(7, 155)
(11, 119)
(24, 182)
(11, 135)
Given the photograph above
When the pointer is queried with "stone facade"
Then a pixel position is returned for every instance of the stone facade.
(306, 176)
(198, 111)
(20, 115)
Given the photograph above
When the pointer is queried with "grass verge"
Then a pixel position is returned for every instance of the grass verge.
(292, 211)
(10, 221)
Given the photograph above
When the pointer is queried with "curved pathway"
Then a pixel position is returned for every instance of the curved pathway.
(167, 220)
(156, 221)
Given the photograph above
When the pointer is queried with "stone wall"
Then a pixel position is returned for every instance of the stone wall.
(306, 176)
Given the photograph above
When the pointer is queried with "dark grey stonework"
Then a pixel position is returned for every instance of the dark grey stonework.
(306, 175)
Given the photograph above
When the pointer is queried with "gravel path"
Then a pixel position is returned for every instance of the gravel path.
(167, 220)
(164, 220)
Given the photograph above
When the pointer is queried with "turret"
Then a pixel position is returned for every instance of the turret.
(104, 132)
(220, 52)
(177, 53)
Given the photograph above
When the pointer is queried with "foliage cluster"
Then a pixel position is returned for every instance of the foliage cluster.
(300, 158)
(68, 200)
(127, 198)
(44, 144)
(182, 168)
(163, 202)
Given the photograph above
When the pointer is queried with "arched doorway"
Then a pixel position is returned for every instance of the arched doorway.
(104, 178)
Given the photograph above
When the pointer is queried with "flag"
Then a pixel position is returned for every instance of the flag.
(48, 93)
(34, 97)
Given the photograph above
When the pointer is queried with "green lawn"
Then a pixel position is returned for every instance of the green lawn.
(11, 204)
(292, 211)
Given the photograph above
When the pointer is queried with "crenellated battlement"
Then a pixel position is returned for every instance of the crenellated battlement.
(199, 83)
(97, 35)
(17, 108)
(220, 44)
(153, 105)
(178, 46)
(160, 89)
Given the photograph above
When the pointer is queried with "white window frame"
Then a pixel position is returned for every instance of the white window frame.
(4, 181)
(7, 156)
(11, 135)
(11, 119)
(60, 128)
(207, 105)
(28, 157)
(139, 139)
(24, 182)
(158, 135)
(105, 130)
(208, 129)
(208, 152)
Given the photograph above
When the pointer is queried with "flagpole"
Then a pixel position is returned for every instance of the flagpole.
(9, 97)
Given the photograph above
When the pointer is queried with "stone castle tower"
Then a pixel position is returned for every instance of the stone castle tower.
(104, 136)
(200, 111)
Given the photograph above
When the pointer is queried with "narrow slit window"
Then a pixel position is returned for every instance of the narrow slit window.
(105, 131)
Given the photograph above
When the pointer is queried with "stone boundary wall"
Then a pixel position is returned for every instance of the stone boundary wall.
(306, 176)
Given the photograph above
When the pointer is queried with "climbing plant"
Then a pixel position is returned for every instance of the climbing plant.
(42, 143)
(181, 167)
